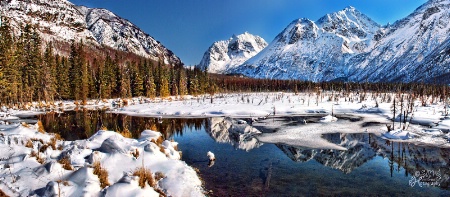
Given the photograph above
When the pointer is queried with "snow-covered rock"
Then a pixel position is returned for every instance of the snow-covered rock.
(227, 54)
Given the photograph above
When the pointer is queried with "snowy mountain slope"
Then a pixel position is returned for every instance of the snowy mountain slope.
(227, 54)
(347, 45)
(62, 21)
(111, 30)
(401, 51)
(313, 50)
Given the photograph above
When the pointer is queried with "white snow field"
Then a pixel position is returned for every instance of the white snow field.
(259, 106)
(28, 169)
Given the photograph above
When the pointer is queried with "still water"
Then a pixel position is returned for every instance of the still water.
(246, 167)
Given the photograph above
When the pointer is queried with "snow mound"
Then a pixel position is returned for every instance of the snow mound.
(328, 118)
(69, 170)
(398, 134)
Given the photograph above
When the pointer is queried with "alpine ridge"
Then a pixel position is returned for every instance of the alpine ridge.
(349, 46)
(61, 20)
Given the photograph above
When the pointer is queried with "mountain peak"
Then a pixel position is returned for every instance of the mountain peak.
(350, 8)
(63, 21)
(227, 54)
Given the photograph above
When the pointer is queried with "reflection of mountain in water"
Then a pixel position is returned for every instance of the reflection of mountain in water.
(363, 147)
(234, 132)
(359, 152)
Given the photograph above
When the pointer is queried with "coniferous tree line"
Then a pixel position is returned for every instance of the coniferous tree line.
(31, 70)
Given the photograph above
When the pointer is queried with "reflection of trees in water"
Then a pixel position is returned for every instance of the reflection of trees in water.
(81, 124)
(415, 158)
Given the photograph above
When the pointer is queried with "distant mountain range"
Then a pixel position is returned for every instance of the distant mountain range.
(60, 20)
(344, 46)
(349, 46)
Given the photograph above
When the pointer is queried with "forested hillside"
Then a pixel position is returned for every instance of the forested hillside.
(30, 70)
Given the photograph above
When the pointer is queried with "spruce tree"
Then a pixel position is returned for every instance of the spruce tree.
(164, 83)
(182, 82)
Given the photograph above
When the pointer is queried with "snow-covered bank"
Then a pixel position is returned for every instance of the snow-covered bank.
(40, 164)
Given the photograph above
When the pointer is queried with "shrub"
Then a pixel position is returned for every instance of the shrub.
(145, 176)
(101, 173)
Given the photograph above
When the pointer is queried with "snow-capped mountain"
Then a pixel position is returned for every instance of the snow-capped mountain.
(348, 45)
(227, 54)
(63, 21)
(314, 50)
(404, 48)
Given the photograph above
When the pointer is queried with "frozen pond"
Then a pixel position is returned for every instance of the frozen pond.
(245, 166)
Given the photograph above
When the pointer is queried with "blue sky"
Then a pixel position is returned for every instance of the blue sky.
(189, 27)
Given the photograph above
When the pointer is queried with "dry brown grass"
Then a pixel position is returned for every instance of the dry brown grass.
(33, 154)
(29, 144)
(37, 140)
(145, 176)
(40, 127)
(2, 194)
(103, 128)
(24, 124)
(40, 160)
(135, 153)
(64, 182)
(65, 162)
(125, 102)
(153, 127)
(101, 173)
(43, 148)
(158, 141)
(58, 137)
(159, 176)
(52, 143)
(126, 133)
(162, 149)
